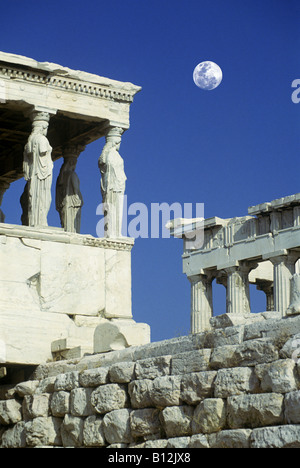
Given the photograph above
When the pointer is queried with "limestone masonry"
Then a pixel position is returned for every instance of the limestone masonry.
(237, 386)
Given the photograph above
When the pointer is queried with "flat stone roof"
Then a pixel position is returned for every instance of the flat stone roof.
(56, 69)
(277, 204)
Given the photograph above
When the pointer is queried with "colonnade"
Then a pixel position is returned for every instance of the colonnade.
(38, 173)
(235, 278)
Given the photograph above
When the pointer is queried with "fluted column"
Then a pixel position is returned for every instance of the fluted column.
(237, 288)
(284, 269)
(268, 289)
(201, 302)
(296, 216)
(236, 292)
(294, 307)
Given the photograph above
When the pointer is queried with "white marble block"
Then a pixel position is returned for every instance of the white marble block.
(72, 279)
(120, 334)
(58, 285)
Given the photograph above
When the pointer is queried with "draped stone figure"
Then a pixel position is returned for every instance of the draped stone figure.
(38, 168)
(113, 180)
(3, 187)
(24, 204)
(68, 196)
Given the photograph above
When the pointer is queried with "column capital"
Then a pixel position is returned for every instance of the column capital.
(41, 110)
(4, 185)
(40, 113)
(234, 276)
(113, 132)
(264, 285)
(73, 150)
(241, 266)
(272, 255)
(208, 275)
(282, 256)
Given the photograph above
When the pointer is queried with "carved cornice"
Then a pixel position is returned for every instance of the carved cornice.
(115, 244)
(66, 84)
(53, 234)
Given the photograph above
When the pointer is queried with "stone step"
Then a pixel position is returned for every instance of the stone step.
(272, 329)
(66, 348)
(232, 320)
(62, 345)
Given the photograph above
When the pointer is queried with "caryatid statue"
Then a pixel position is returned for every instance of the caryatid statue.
(3, 187)
(113, 180)
(68, 196)
(38, 169)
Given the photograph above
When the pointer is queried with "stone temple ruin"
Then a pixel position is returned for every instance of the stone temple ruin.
(262, 248)
(75, 369)
(57, 286)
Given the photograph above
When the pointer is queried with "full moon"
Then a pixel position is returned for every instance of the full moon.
(207, 75)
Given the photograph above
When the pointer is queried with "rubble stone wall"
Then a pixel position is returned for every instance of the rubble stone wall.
(235, 387)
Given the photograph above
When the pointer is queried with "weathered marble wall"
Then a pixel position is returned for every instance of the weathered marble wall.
(58, 285)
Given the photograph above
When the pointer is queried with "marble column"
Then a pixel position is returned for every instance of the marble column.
(296, 216)
(113, 181)
(3, 187)
(69, 199)
(267, 287)
(201, 302)
(294, 306)
(237, 288)
(38, 168)
(284, 269)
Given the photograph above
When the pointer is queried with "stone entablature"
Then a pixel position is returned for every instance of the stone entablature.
(62, 89)
(55, 234)
(262, 248)
(266, 224)
(105, 89)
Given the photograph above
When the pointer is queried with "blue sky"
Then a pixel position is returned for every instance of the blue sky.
(229, 148)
